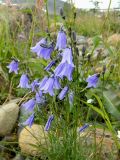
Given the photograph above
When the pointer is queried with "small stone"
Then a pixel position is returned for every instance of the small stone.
(8, 117)
(90, 41)
(32, 138)
(103, 139)
(114, 39)
(98, 70)
(81, 40)
(18, 157)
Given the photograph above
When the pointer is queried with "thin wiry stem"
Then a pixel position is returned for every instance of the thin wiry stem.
(55, 13)
(108, 11)
(47, 14)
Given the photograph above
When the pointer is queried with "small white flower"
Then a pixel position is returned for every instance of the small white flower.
(118, 134)
(90, 101)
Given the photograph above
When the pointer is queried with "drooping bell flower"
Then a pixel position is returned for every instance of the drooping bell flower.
(48, 124)
(24, 81)
(42, 49)
(13, 67)
(43, 81)
(61, 40)
(66, 67)
(49, 66)
(45, 51)
(63, 93)
(37, 47)
(67, 56)
(39, 98)
(51, 84)
(29, 121)
(64, 70)
(29, 105)
(92, 80)
(34, 85)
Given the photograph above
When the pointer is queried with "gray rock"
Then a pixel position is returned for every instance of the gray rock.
(8, 117)
(81, 40)
(101, 52)
(18, 157)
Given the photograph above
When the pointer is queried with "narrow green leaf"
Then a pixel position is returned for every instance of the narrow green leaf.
(111, 108)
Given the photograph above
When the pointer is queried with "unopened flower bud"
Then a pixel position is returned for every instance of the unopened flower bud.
(83, 51)
(104, 69)
(74, 36)
(75, 15)
(77, 51)
(63, 93)
(48, 124)
(69, 31)
(48, 33)
(111, 68)
(62, 13)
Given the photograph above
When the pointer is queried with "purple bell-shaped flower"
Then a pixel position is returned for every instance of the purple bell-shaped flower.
(34, 85)
(40, 99)
(92, 81)
(37, 47)
(61, 40)
(66, 67)
(51, 84)
(13, 67)
(42, 49)
(24, 81)
(46, 51)
(29, 121)
(29, 105)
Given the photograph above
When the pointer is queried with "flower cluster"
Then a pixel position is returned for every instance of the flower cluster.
(49, 84)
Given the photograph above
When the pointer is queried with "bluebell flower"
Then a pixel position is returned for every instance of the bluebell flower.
(43, 81)
(48, 124)
(49, 66)
(67, 56)
(42, 49)
(13, 66)
(24, 81)
(92, 81)
(81, 129)
(64, 70)
(61, 40)
(29, 121)
(46, 51)
(51, 84)
(66, 67)
(39, 97)
(34, 85)
(63, 93)
(36, 49)
(29, 105)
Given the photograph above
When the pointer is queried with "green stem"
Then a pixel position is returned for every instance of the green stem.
(88, 114)
(47, 14)
(55, 14)
(106, 16)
